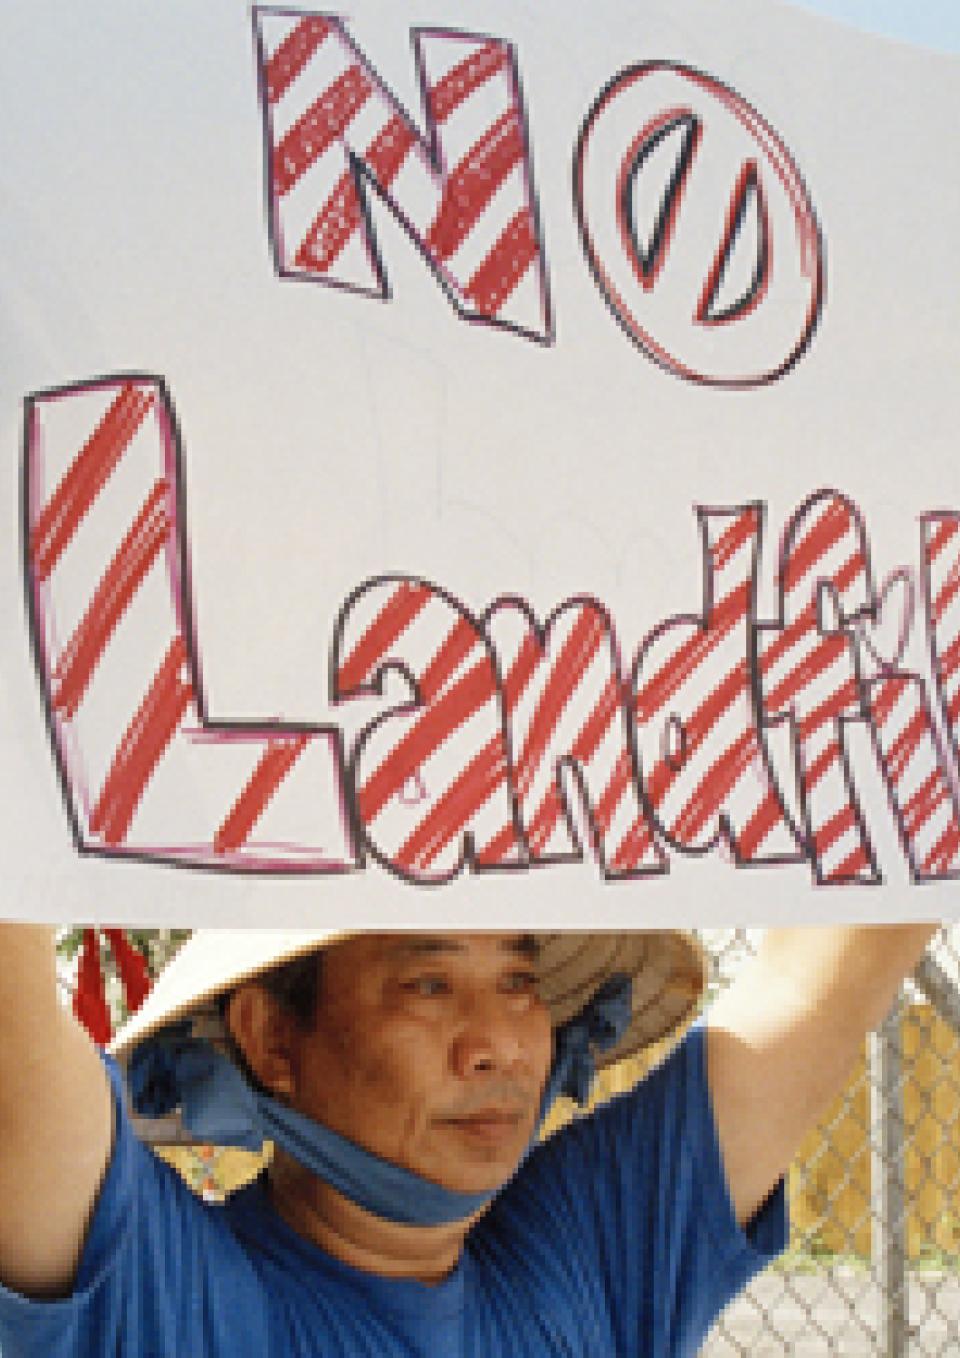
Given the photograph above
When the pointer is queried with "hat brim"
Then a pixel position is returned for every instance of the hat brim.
(211, 963)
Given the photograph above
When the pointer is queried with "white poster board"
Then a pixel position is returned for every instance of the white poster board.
(477, 465)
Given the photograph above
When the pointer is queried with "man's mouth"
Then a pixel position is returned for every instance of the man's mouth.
(489, 1125)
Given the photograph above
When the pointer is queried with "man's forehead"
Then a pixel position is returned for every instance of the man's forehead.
(416, 944)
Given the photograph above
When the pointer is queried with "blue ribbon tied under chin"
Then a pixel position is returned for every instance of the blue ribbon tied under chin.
(174, 1070)
(597, 1028)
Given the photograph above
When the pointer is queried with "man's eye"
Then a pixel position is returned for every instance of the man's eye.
(520, 982)
(427, 987)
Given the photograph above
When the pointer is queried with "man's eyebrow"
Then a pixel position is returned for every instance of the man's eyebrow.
(421, 945)
(527, 945)
(417, 945)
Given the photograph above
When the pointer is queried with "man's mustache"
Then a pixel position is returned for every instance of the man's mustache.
(501, 1098)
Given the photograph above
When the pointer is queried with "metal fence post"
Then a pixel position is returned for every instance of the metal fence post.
(887, 1179)
(940, 990)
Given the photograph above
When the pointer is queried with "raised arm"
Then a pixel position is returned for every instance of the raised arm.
(783, 1040)
(56, 1122)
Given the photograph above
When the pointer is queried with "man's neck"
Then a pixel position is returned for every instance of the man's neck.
(355, 1236)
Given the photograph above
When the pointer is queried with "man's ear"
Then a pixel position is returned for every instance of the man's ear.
(265, 1032)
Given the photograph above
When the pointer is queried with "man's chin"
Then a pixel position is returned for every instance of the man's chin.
(487, 1179)
(478, 1164)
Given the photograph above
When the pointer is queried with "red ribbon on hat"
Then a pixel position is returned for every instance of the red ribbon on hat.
(132, 966)
(90, 997)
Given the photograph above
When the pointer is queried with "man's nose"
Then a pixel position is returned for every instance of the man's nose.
(488, 1036)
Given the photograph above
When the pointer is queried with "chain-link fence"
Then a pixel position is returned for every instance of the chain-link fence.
(874, 1261)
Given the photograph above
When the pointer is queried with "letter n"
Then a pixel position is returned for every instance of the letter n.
(463, 191)
(145, 773)
(566, 706)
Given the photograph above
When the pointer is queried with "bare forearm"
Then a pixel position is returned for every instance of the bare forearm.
(849, 974)
(55, 1119)
(26, 959)
(30, 1018)
(785, 1036)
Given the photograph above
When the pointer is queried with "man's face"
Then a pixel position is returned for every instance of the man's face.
(430, 1050)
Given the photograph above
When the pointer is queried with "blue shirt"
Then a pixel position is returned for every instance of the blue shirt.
(616, 1238)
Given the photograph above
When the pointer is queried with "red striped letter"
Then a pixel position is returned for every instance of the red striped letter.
(703, 764)
(565, 704)
(464, 191)
(835, 658)
(144, 772)
(808, 675)
(697, 226)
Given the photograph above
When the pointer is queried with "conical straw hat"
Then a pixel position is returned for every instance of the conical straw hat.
(667, 969)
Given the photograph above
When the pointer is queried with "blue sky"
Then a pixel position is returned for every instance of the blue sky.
(932, 23)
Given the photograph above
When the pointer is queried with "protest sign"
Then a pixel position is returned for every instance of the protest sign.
(468, 464)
